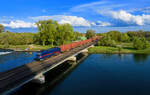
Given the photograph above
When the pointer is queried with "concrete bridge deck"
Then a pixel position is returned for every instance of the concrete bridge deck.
(17, 77)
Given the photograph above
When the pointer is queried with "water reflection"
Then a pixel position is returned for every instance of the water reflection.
(53, 77)
(97, 75)
(106, 56)
(102, 74)
(140, 58)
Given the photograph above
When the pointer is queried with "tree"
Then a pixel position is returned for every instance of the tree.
(52, 33)
(106, 41)
(145, 43)
(140, 43)
(4, 39)
(139, 34)
(125, 37)
(46, 31)
(1, 28)
(115, 35)
(90, 34)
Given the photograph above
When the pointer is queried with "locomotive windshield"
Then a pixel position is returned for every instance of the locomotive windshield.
(38, 54)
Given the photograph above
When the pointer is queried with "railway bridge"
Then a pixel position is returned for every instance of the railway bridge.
(15, 78)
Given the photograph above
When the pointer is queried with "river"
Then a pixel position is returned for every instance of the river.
(10, 59)
(98, 74)
(105, 74)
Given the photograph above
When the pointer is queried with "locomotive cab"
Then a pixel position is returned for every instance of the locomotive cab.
(38, 56)
(43, 54)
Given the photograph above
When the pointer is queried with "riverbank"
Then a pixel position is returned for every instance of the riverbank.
(126, 49)
(25, 47)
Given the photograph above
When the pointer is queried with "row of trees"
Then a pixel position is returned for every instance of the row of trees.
(50, 33)
(113, 37)
(138, 38)
(139, 33)
(9, 38)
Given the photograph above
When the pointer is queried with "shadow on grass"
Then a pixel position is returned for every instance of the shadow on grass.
(129, 48)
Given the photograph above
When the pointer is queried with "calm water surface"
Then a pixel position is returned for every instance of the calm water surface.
(99, 74)
(14, 59)
(103, 74)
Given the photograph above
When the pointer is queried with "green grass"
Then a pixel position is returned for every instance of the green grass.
(127, 48)
(23, 47)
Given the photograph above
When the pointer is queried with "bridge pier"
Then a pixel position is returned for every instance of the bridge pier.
(40, 79)
(72, 58)
(91, 46)
(84, 51)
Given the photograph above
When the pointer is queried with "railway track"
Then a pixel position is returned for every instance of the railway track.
(14, 77)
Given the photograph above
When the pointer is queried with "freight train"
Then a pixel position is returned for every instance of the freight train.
(57, 50)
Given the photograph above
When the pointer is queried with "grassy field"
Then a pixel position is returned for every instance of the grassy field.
(126, 48)
(23, 47)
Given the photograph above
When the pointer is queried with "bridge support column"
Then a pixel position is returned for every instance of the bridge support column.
(72, 58)
(40, 79)
(85, 50)
(91, 46)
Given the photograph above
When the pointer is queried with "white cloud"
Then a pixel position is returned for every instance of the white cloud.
(93, 7)
(127, 17)
(86, 6)
(143, 10)
(62, 19)
(100, 23)
(19, 24)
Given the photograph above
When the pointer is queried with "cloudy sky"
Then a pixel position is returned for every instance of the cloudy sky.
(104, 13)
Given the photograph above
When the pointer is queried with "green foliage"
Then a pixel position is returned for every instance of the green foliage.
(114, 50)
(101, 34)
(125, 37)
(90, 34)
(9, 38)
(106, 41)
(119, 48)
(1, 28)
(140, 33)
(52, 33)
(114, 35)
(140, 43)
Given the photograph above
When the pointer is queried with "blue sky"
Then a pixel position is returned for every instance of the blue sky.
(102, 13)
